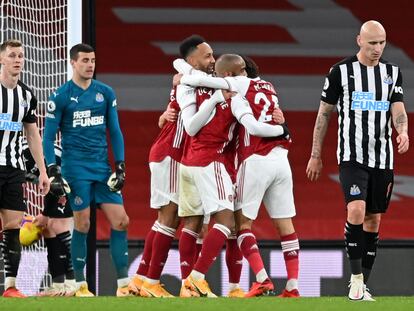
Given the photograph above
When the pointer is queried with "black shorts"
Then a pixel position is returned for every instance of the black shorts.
(12, 183)
(372, 185)
(54, 209)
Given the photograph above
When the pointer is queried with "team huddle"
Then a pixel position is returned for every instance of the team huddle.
(222, 151)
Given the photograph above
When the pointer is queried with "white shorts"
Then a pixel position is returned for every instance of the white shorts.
(268, 179)
(164, 182)
(205, 190)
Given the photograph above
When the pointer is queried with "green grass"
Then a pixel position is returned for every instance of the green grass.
(203, 304)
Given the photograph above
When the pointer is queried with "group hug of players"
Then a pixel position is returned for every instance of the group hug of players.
(222, 151)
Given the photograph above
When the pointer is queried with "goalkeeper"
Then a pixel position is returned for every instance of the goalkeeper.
(57, 219)
(84, 110)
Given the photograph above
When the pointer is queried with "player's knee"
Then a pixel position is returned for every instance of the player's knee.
(124, 223)
(82, 225)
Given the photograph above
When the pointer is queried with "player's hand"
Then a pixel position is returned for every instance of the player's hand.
(170, 114)
(41, 221)
(58, 185)
(314, 168)
(177, 79)
(228, 94)
(44, 183)
(117, 179)
(403, 143)
(278, 116)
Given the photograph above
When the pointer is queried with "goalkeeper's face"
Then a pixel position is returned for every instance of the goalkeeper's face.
(12, 60)
(84, 65)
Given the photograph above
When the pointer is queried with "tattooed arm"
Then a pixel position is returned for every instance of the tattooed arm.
(400, 121)
(314, 167)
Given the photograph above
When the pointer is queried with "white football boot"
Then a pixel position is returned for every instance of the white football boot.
(356, 287)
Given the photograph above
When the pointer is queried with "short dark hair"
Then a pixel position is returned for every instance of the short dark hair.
(188, 45)
(252, 69)
(81, 47)
(14, 43)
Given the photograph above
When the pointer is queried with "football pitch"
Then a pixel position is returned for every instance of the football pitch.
(204, 304)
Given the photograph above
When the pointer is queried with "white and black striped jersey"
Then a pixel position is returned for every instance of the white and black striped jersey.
(363, 97)
(17, 106)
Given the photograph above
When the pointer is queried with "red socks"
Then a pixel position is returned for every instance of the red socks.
(290, 248)
(234, 259)
(248, 246)
(213, 243)
(161, 247)
(187, 250)
(146, 256)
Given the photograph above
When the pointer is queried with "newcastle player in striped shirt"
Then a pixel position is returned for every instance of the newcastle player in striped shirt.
(18, 106)
(368, 94)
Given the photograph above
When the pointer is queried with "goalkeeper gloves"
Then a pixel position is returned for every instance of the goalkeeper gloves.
(58, 185)
(117, 179)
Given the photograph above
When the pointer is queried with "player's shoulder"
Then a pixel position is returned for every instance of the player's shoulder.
(25, 87)
(386, 62)
(101, 87)
(345, 61)
(61, 92)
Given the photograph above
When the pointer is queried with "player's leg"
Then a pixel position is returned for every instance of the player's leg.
(58, 253)
(354, 181)
(378, 198)
(250, 191)
(12, 208)
(216, 190)
(168, 223)
(279, 202)
(62, 227)
(191, 211)
(118, 243)
(55, 262)
(11, 249)
(371, 237)
(290, 249)
(138, 279)
(79, 200)
(164, 198)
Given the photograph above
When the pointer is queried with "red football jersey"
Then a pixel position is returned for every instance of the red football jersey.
(263, 100)
(170, 141)
(212, 142)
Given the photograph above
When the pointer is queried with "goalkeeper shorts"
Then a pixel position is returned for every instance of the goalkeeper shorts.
(86, 191)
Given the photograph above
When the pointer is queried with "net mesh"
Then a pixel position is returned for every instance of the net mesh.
(41, 25)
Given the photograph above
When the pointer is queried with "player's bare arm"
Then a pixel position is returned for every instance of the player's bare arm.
(35, 145)
(314, 167)
(400, 121)
(169, 115)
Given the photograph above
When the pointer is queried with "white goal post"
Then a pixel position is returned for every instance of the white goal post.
(47, 29)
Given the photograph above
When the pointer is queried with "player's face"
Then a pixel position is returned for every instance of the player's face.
(238, 68)
(84, 65)
(372, 46)
(12, 60)
(202, 58)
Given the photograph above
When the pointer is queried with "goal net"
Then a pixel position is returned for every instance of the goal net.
(43, 27)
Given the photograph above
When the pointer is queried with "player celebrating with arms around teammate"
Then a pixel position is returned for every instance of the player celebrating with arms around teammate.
(84, 109)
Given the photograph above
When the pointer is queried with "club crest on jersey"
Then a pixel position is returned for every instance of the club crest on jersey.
(51, 106)
(388, 80)
(99, 97)
(23, 103)
(78, 200)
